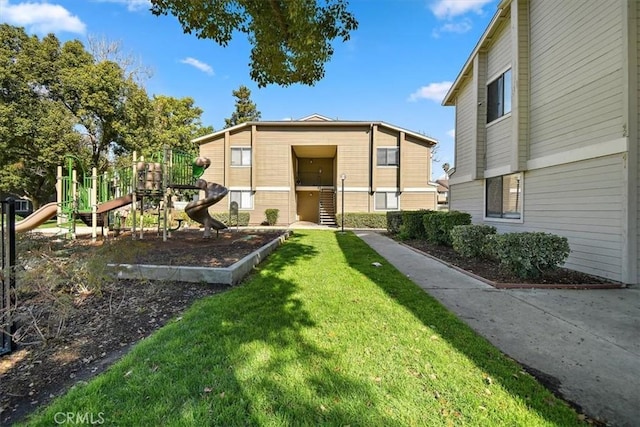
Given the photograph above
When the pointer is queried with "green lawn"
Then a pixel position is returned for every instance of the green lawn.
(317, 336)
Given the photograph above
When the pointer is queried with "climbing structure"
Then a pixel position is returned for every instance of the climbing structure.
(92, 198)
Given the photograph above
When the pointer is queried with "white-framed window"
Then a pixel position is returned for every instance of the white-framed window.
(499, 97)
(387, 156)
(242, 197)
(503, 197)
(240, 156)
(386, 200)
(21, 205)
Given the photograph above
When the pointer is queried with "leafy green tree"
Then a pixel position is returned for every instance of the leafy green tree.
(112, 112)
(176, 122)
(291, 39)
(58, 99)
(246, 110)
(35, 132)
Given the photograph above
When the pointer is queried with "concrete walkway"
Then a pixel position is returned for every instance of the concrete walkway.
(586, 342)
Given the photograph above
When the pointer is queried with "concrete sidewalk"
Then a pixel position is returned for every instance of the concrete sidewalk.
(585, 342)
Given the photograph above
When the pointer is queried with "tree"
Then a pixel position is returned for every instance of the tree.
(58, 99)
(176, 122)
(112, 112)
(35, 132)
(246, 110)
(103, 49)
(291, 39)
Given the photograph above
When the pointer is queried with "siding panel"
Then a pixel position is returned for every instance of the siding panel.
(416, 164)
(415, 201)
(468, 197)
(499, 54)
(583, 202)
(499, 143)
(465, 119)
(575, 81)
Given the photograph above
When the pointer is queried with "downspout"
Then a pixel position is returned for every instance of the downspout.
(371, 160)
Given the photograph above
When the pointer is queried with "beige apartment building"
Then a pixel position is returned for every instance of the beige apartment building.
(547, 128)
(303, 167)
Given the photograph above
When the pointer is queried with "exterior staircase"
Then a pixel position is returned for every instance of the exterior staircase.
(327, 207)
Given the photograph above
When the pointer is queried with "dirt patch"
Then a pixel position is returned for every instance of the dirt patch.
(100, 326)
(491, 270)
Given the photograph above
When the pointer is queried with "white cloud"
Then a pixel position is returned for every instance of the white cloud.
(447, 9)
(41, 18)
(205, 68)
(434, 92)
(132, 5)
(452, 133)
(459, 27)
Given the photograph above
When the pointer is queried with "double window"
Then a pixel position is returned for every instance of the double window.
(22, 205)
(386, 201)
(504, 196)
(387, 156)
(499, 97)
(240, 156)
(244, 199)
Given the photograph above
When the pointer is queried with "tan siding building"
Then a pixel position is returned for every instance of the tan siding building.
(297, 168)
(547, 128)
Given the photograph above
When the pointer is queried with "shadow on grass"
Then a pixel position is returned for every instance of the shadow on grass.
(243, 357)
(499, 367)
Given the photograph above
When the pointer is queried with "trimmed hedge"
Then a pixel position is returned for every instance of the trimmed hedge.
(412, 226)
(362, 220)
(272, 216)
(469, 240)
(394, 221)
(438, 225)
(528, 254)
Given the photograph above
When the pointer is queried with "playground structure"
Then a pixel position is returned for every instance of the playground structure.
(97, 199)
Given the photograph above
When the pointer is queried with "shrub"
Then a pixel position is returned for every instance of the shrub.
(412, 226)
(272, 216)
(394, 221)
(528, 254)
(438, 226)
(469, 240)
(362, 220)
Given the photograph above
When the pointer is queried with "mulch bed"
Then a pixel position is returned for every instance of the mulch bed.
(491, 272)
(101, 327)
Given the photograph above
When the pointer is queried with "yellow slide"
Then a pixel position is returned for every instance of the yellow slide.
(37, 218)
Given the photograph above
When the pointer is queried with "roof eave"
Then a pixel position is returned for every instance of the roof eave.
(293, 123)
(449, 99)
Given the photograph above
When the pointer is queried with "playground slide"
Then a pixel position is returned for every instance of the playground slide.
(199, 210)
(114, 204)
(37, 218)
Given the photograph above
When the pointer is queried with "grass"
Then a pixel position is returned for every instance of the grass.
(316, 336)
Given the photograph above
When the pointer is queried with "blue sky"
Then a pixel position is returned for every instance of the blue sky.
(396, 68)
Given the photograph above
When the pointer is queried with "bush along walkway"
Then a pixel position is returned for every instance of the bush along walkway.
(317, 335)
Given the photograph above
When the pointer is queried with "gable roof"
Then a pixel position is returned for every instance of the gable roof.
(313, 121)
(500, 15)
(315, 117)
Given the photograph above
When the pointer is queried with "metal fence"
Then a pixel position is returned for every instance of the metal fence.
(7, 276)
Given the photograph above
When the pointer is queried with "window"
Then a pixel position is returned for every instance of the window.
(243, 198)
(499, 97)
(386, 201)
(388, 156)
(504, 196)
(21, 205)
(241, 156)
